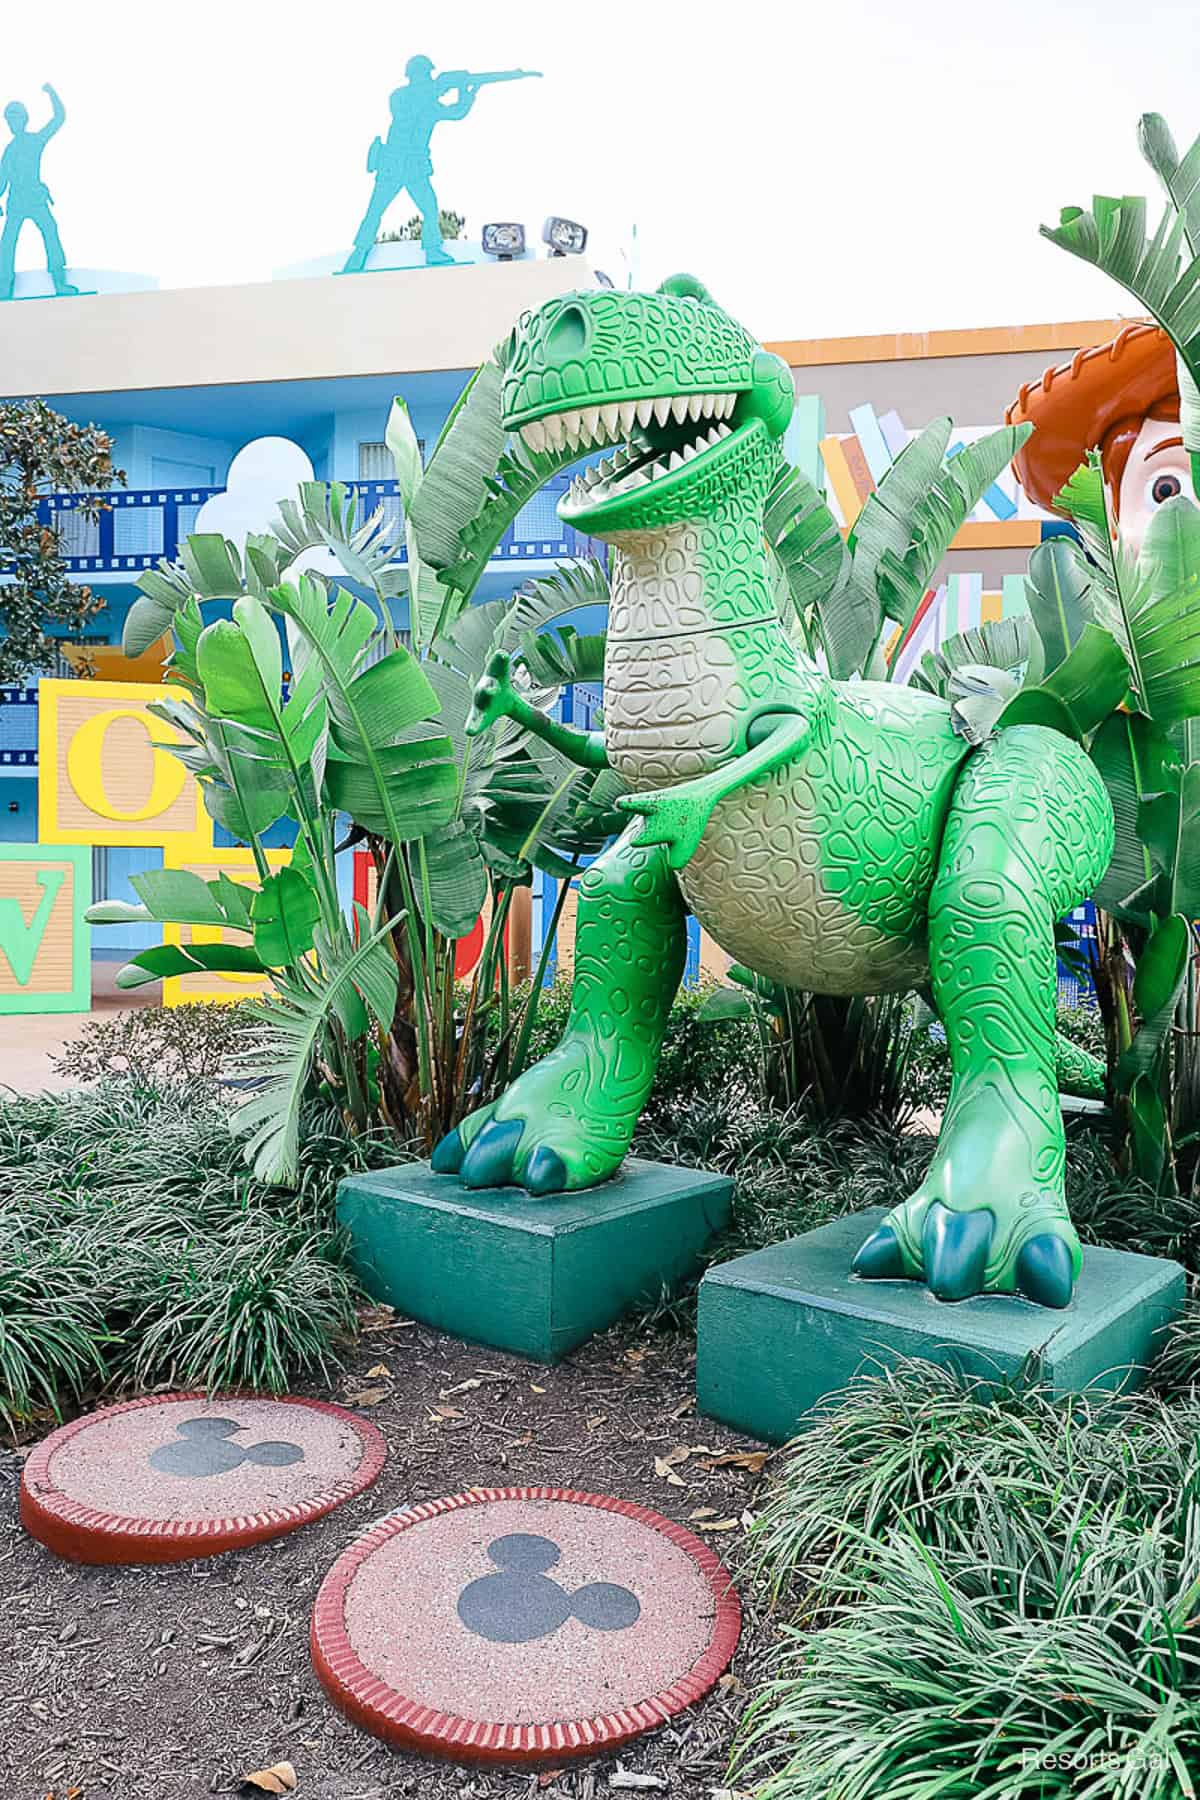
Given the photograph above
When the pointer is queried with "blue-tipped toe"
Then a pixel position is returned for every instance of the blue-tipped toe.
(448, 1153)
(546, 1172)
(955, 1248)
(880, 1258)
(489, 1161)
(1045, 1270)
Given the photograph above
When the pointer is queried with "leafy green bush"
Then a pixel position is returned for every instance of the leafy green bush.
(136, 1248)
(989, 1588)
(157, 1046)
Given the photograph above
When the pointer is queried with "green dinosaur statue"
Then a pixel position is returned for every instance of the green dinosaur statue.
(838, 837)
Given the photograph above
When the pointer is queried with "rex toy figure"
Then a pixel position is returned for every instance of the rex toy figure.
(837, 837)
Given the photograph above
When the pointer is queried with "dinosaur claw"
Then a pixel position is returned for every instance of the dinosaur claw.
(489, 1161)
(448, 1153)
(955, 1249)
(1045, 1270)
(880, 1258)
(546, 1172)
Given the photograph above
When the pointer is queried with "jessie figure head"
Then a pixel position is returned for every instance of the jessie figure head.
(1121, 398)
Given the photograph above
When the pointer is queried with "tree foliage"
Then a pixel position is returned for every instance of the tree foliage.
(42, 452)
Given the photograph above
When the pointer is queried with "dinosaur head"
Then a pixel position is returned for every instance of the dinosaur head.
(692, 405)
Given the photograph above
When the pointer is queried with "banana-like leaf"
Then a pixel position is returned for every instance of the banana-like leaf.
(178, 897)
(1152, 608)
(1158, 980)
(997, 644)
(325, 514)
(558, 658)
(399, 790)
(455, 484)
(1131, 755)
(284, 913)
(1149, 1120)
(1180, 176)
(1058, 591)
(451, 861)
(978, 695)
(1169, 826)
(161, 960)
(901, 579)
(1088, 685)
(518, 475)
(295, 1019)
(807, 543)
(1160, 271)
(885, 524)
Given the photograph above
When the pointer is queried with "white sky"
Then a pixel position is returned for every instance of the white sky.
(826, 169)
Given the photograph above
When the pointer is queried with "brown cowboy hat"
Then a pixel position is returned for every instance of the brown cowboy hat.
(1076, 404)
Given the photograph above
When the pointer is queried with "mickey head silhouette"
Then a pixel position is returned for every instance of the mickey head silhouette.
(523, 1604)
(204, 1449)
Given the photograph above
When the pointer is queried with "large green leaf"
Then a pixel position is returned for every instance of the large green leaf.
(807, 542)
(1159, 271)
(178, 897)
(399, 792)
(455, 485)
(294, 1020)
(452, 863)
(1058, 591)
(1131, 755)
(1169, 826)
(901, 577)
(1165, 627)
(1180, 176)
(997, 644)
(1088, 685)
(1157, 983)
(161, 960)
(284, 912)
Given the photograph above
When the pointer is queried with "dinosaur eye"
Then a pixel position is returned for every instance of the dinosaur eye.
(1164, 487)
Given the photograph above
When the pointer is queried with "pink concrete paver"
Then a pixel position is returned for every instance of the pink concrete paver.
(522, 1624)
(162, 1479)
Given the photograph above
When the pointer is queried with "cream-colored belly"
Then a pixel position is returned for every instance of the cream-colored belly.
(755, 885)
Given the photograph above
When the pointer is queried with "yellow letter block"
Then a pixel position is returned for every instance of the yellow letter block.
(239, 865)
(105, 775)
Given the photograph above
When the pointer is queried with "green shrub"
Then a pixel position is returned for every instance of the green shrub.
(156, 1046)
(136, 1248)
(988, 1588)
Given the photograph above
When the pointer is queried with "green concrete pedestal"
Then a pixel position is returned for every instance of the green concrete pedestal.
(780, 1329)
(535, 1276)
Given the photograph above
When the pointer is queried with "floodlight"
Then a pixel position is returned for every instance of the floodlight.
(564, 237)
(504, 240)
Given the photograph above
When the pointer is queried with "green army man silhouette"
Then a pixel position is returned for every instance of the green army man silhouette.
(402, 161)
(27, 194)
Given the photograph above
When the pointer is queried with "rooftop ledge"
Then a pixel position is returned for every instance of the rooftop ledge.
(398, 321)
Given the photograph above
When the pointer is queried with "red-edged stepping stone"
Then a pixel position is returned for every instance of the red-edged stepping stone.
(522, 1625)
(170, 1478)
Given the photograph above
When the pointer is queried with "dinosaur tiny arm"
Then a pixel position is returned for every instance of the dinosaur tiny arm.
(496, 698)
(678, 816)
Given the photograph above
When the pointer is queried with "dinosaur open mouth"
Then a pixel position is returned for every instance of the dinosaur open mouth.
(653, 439)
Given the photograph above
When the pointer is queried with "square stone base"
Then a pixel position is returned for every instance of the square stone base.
(535, 1276)
(781, 1328)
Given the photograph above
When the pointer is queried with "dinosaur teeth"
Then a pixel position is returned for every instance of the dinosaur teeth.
(679, 409)
(534, 434)
(662, 409)
(645, 411)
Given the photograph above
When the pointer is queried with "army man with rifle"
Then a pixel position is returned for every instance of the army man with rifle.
(402, 160)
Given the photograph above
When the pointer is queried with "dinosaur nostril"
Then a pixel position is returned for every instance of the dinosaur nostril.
(567, 337)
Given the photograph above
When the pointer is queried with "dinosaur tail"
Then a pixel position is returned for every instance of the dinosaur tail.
(1078, 1071)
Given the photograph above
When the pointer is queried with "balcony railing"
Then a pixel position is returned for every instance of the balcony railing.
(140, 525)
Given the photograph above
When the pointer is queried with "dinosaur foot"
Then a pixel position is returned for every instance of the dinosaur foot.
(550, 1133)
(959, 1254)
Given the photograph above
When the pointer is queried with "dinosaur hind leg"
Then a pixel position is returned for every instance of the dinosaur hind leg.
(1028, 834)
(567, 1122)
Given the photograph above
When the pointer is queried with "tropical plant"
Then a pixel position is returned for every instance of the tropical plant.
(39, 449)
(372, 729)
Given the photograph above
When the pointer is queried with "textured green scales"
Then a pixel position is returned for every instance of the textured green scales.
(836, 837)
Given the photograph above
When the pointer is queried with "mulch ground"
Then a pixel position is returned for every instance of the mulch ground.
(172, 1684)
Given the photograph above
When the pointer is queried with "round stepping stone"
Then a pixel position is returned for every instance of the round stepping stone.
(522, 1625)
(178, 1476)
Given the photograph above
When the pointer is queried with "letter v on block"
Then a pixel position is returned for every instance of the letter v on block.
(21, 941)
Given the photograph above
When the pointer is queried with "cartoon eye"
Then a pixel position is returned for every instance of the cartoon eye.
(1164, 487)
